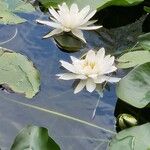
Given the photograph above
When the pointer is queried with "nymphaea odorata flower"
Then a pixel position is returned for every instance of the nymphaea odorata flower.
(70, 20)
(92, 70)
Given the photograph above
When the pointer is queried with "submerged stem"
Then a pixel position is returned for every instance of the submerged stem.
(60, 115)
(16, 31)
(95, 109)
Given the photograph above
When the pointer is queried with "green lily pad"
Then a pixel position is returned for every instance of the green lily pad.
(134, 88)
(10, 18)
(18, 73)
(135, 138)
(144, 41)
(132, 59)
(9, 8)
(69, 43)
(95, 4)
(34, 138)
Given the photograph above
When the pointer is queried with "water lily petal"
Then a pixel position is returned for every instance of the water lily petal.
(64, 8)
(100, 79)
(68, 66)
(79, 34)
(90, 56)
(110, 69)
(74, 9)
(90, 27)
(80, 86)
(49, 23)
(100, 54)
(53, 19)
(90, 85)
(70, 76)
(66, 76)
(111, 60)
(54, 13)
(90, 22)
(113, 79)
(74, 59)
(54, 32)
(83, 13)
(87, 18)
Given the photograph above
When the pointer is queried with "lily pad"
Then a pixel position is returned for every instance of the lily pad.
(144, 41)
(134, 88)
(34, 138)
(132, 59)
(9, 8)
(135, 138)
(18, 73)
(69, 43)
(95, 4)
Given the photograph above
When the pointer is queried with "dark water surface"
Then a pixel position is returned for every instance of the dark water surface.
(57, 95)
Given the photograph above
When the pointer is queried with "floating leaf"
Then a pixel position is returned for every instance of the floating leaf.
(10, 18)
(144, 41)
(34, 138)
(95, 4)
(18, 73)
(69, 43)
(135, 87)
(135, 138)
(132, 59)
(9, 7)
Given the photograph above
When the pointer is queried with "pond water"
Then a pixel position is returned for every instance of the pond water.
(57, 95)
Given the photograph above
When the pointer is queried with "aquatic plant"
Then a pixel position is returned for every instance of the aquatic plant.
(94, 69)
(70, 20)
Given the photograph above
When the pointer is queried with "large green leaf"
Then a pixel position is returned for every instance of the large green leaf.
(18, 73)
(95, 4)
(135, 138)
(34, 138)
(144, 41)
(135, 87)
(9, 7)
(134, 58)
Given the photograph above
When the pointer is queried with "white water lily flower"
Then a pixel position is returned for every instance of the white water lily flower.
(94, 69)
(70, 20)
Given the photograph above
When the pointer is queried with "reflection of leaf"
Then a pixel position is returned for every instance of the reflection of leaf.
(135, 138)
(135, 87)
(144, 41)
(58, 114)
(95, 4)
(9, 7)
(147, 9)
(18, 73)
(134, 58)
(34, 138)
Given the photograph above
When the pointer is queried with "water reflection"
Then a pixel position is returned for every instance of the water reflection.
(55, 95)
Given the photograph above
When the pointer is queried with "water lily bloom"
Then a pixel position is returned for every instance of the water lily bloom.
(70, 20)
(92, 70)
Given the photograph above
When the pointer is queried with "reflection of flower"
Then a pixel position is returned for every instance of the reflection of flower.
(91, 70)
(66, 20)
